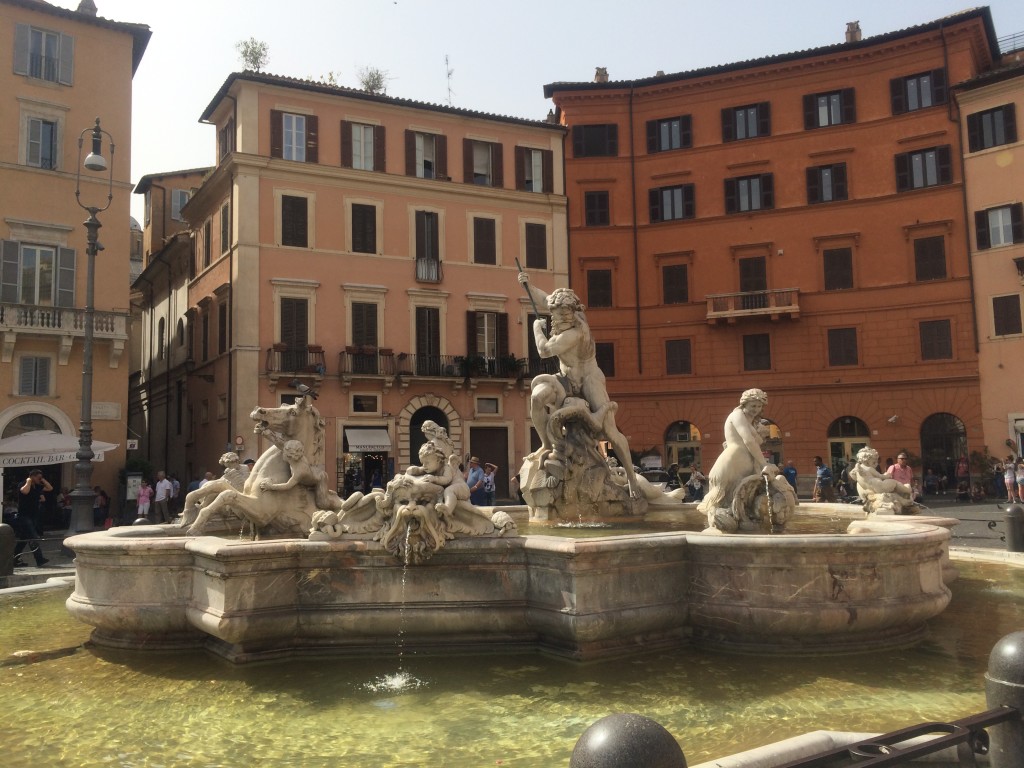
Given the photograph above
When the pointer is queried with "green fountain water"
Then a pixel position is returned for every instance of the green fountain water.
(68, 704)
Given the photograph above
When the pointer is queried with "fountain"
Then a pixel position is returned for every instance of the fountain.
(321, 575)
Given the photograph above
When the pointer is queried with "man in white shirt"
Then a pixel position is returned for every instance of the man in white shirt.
(164, 491)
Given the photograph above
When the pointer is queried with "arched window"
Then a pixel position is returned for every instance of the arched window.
(29, 422)
(682, 445)
(943, 441)
(181, 332)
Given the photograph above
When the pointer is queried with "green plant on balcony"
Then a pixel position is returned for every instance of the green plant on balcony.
(472, 366)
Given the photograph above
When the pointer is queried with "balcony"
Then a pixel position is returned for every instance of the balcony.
(366, 361)
(774, 304)
(428, 271)
(284, 361)
(66, 323)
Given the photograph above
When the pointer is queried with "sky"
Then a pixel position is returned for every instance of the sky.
(486, 55)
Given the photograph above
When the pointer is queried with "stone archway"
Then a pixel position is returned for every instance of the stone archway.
(405, 420)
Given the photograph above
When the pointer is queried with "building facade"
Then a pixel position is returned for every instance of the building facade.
(989, 107)
(67, 68)
(367, 247)
(795, 223)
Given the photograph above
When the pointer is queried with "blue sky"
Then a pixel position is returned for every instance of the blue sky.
(500, 54)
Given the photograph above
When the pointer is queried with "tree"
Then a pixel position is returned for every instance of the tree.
(253, 53)
(374, 80)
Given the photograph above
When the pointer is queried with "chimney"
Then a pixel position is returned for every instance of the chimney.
(853, 31)
(601, 75)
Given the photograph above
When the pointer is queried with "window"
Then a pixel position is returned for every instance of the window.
(34, 376)
(207, 244)
(936, 340)
(599, 288)
(534, 169)
(222, 329)
(595, 140)
(362, 146)
(364, 228)
(294, 221)
(918, 91)
(293, 333)
(749, 193)
(670, 133)
(842, 346)
(757, 352)
(826, 183)
(824, 109)
(536, 236)
(426, 155)
(428, 247)
(595, 206)
(677, 356)
(484, 241)
(999, 226)
(604, 353)
(924, 168)
(225, 228)
(365, 404)
(669, 203)
(204, 337)
(43, 54)
(488, 406)
(294, 137)
(482, 163)
(930, 258)
(178, 199)
(991, 128)
(753, 273)
(1006, 315)
(42, 143)
(487, 335)
(364, 337)
(674, 284)
(226, 139)
(747, 122)
(838, 263)
(37, 274)
(428, 341)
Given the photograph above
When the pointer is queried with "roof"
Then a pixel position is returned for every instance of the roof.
(982, 13)
(147, 181)
(140, 32)
(354, 93)
(1005, 72)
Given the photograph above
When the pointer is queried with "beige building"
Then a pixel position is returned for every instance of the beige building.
(62, 69)
(366, 246)
(991, 107)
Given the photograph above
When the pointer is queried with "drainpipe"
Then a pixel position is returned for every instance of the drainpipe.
(636, 239)
(231, 278)
(957, 119)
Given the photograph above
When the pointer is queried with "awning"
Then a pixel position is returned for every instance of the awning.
(43, 446)
(368, 440)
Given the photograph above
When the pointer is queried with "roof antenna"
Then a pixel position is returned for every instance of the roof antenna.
(449, 71)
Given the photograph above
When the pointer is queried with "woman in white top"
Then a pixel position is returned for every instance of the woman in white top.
(1020, 481)
(1010, 478)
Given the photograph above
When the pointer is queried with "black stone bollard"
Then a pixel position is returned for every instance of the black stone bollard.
(1014, 520)
(1004, 686)
(7, 542)
(627, 740)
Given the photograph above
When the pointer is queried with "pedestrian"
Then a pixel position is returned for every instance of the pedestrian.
(1010, 479)
(175, 503)
(475, 481)
(100, 507)
(823, 488)
(901, 471)
(30, 496)
(1020, 480)
(490, 488)
(161, 513)
(789, 472)
(144, 498)
(695, 483)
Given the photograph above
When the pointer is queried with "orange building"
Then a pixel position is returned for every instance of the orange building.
(367, 246)
(63, 68)
(795, 223)
(990, 108)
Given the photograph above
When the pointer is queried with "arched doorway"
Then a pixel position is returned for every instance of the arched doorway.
(943, 441)
(51, 517)
(846, 436)
(416, 436)
(682, 447)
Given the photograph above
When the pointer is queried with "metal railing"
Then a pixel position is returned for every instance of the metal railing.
(754, 303)
(295, 360)
(60, 320)
(429, 271)
(1009, 43)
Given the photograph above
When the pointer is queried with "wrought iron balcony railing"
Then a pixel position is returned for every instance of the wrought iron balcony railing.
(282, 359)
(429, 271)
(773, 303)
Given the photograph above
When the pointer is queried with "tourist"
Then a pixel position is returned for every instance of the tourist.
(175, 494)
(963, 471)
(1010, 479)
(695, 484)
(161, 499)
(789, 472)
(30, 496)
(490, 489)
(100, 507)
(1020, 480)
(823, 488)
(145, 496)
(475, 481)
(901, 471)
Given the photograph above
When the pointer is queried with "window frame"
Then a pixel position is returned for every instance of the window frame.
(827, 184)
(678, 363)
(994, 127)
(663, 203)
(61, 64)
(842, 347)
(739, 190)
(913, 167)
(927, 261)
(595, 140)
(939, 346)
(600, 288)
(597, 208)
(292, 233)
(674, 291)
(748, 121)
(415, 155)
(225, 228)
(476, 151)
(48, 161)
(534, 169)
(484, 239)
(604, 354)
(759, 359)
(360, 229)
(62, 279)
(668, 134)
(1017, 327)
(41, 384)
(906, 93)
(536, 246)
(843, 101)
(983, 226)
(179, 199)
(838, 270)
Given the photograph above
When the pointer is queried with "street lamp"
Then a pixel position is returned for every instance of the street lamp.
(82, 496)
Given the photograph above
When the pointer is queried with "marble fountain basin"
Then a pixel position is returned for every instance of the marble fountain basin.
(874, 587)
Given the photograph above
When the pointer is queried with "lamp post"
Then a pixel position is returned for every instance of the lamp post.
(82, 496)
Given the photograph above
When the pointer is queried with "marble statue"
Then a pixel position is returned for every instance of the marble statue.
(882, 495)
(746, 490)
(233, 478)
(571, 411)
(649, 491)
(288, 483)
(419, 511)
